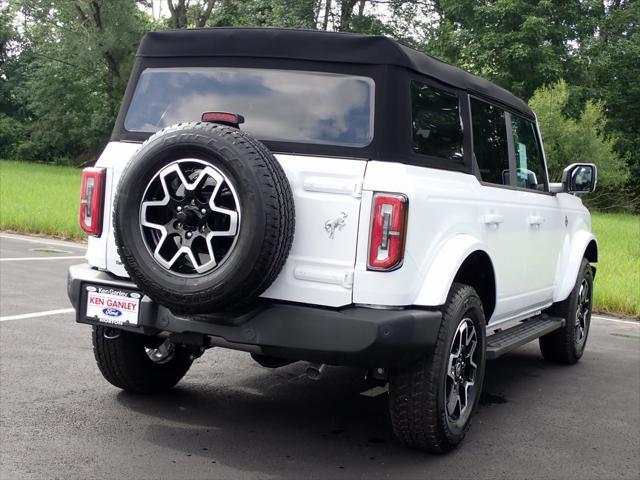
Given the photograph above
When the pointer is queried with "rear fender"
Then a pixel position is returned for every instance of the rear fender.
(447, 261)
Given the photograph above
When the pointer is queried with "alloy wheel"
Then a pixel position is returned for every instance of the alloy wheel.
(462, 370)
(190, 217)
(583, 313)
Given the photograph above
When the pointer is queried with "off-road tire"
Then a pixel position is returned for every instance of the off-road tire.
(123, 362)
(265, 233)
(560, 346)
(416, 398)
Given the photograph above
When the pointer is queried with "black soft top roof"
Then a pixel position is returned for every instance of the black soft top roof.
(320, 46)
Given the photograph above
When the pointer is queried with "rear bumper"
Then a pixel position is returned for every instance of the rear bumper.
(355, 336)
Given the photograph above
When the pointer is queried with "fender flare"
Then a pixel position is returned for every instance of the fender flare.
(573, 251)
(446, 264)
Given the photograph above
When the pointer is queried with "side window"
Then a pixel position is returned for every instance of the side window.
(436, 121)
(529, 165)
(490, 146)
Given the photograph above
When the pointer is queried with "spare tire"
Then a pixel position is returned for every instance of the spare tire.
(203, 218)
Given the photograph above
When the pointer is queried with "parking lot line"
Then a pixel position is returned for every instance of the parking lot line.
(616, 320)
(43, 241)
(24, 259)
(36, 314)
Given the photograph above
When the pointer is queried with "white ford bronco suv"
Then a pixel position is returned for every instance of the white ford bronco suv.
(332, 198)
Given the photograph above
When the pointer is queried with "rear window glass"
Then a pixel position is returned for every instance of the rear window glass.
(278, 105)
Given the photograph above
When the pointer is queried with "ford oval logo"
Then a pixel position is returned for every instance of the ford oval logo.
(112, 312)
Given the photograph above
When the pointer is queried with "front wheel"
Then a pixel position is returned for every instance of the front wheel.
(138, 363)
(567, 344)
(432, 400)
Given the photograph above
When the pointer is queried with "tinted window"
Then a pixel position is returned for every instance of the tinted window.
(529, 165)
(491, 151)
(437, 126)
(278, 105)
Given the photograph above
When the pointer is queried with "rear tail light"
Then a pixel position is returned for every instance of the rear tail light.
(388, 229)
(91, 200)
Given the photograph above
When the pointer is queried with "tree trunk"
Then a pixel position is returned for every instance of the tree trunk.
(204, 13)
(316, 11)
(113, 67)
(178, 12)
(327, 12)
(346, 12)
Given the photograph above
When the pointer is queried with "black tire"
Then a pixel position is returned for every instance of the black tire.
(417, 392)
(123, 362)
(265, 232)
(566, 345)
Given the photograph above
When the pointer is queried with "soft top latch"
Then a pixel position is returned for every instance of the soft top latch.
(230, 119)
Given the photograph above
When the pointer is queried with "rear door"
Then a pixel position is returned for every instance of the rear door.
(501, 209)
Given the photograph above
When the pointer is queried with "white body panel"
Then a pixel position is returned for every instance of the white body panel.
(535, 241)
(101, 252)
(451, 215)
(319, 269)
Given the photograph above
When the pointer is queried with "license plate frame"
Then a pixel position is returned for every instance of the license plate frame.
(111, 306)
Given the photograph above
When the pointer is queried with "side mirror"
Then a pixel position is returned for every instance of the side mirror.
(580, 178)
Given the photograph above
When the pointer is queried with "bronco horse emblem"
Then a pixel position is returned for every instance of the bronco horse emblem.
(338, 224)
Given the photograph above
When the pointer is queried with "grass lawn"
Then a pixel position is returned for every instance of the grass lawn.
(617, 285)
(40, 199)
(44, 199)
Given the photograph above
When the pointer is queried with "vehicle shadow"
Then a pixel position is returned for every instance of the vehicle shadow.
(277, 422)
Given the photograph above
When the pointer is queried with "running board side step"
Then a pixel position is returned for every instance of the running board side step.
(535, 327)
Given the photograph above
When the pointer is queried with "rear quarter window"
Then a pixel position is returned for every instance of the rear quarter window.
(490, 144)
(436, 122)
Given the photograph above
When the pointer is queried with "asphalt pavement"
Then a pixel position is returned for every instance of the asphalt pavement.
(230, 418)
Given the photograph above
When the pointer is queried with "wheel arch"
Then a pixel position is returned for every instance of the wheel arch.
(583, 245)
(477, 271)
(591, 252)
(462, 259)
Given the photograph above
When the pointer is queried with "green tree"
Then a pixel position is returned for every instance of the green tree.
(615, 55)
(266, 13)
(569, 140)
(519, 44)
(187, 14)
(75, 61)
(11, 118)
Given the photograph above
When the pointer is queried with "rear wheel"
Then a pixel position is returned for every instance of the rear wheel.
(432, 401)
(138, 363)
(567, 344)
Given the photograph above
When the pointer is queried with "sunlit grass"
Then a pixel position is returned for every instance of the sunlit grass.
(617, 285)
(40, 199)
